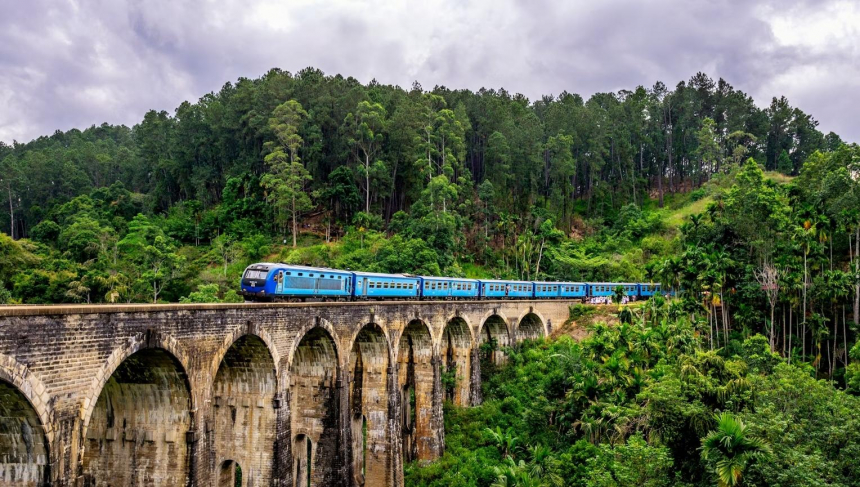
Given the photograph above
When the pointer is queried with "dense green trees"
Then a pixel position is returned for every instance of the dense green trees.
(610, 150)
(646, 402)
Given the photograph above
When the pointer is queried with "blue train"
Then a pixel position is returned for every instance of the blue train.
(283, 282)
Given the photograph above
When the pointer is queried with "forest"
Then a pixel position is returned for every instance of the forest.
(747, 377)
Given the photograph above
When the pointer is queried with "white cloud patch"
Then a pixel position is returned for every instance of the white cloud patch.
(75, 64)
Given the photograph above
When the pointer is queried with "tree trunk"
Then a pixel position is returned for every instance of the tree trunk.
(845, 336)
(856, 285)
(790, 316)
(295, 223)
(772, 328)
(540, 255)
(805, 284)
(11, 211)
(367, 182)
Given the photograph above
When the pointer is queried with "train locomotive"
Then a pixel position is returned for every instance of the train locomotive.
(284, 282)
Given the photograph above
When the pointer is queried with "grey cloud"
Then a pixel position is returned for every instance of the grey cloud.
(76, 64)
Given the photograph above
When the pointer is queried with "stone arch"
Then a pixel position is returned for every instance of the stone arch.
(315, 406)
(530, 326)
(239, 333)
(324, 325)
(230, 474)
(32, 388)
(141, 341)
(138, 430)
(415, 381)
(369, 366)
(24, 447)
(243, 413)
(495, 329)
(380, 326)
(302, 457)
(455, 353)
(489, 314)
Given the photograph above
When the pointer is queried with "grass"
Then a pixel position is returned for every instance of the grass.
(778, 177)
(674, 218)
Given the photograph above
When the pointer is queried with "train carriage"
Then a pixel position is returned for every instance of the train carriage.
(646, 290)
(449, 288)
(607, 289)
(573, 290)
(506, 289)
(369, 285)
(267, 281)
(547, 289)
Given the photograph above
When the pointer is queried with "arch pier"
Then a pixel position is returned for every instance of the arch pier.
(251, 395)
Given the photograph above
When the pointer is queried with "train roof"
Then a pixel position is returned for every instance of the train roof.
(459, 279)
(379, 274)
(505, 281)
(301, 267)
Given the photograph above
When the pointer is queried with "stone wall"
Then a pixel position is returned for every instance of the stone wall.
(287, 394)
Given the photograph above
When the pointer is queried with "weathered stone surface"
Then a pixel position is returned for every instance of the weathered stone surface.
(291, 394)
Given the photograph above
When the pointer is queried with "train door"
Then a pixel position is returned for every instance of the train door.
(279, 288)
(364, 286)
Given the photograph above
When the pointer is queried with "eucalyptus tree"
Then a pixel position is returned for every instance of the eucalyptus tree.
(286, 181)
(367, 127)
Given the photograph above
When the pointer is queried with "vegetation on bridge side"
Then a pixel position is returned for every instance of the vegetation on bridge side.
(648, 402)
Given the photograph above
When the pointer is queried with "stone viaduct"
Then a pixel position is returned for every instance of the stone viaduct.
(302, 395)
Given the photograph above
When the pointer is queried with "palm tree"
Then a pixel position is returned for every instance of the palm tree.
(505, 441)
(732, 447)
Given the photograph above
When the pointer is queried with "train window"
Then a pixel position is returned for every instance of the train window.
(289, 273)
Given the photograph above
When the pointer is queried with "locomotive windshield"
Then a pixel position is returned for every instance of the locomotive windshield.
(252, 274)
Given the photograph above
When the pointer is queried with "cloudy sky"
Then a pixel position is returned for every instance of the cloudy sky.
(67, 63)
